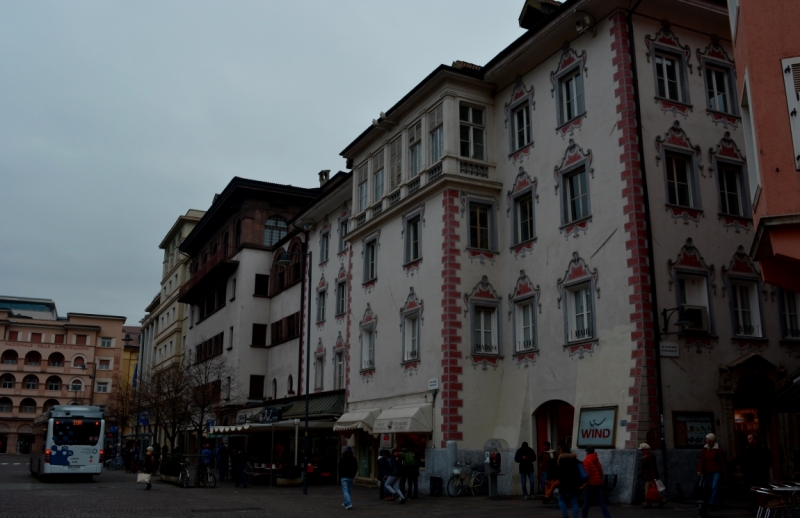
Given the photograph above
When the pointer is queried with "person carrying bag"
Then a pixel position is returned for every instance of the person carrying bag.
(149, 468)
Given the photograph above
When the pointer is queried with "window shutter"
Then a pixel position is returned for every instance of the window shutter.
(791, 76)
(415, 133)
(435, 117)
(377, 162)
(362, 173)
(395, 163)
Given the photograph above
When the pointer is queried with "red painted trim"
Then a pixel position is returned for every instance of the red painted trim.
(347, 325)
(451, 324)
(644, 415)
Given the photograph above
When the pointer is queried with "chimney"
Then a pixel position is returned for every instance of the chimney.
(323, 176)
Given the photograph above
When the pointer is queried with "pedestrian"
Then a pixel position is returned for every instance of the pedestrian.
(594, 483)
(393, 480)
(756, 463)
(156, 455)
(550, 472)
(221, 456)
(236, 466)
(710, 472)
(150, 465)
(525, 457)
(568, 481)
(348, 469)
(126, 458)
(410, 473)
(384, 470)
(649, 476)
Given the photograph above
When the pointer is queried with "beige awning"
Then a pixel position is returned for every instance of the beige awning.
(405, 419)
(357, 420)
(258, 428)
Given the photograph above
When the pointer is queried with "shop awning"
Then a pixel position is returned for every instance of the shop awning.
(328, 405)
(257, 428)
(357, 420)
(405, 419)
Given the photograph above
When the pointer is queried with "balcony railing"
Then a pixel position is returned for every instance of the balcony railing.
(526, 345)
(792, 332)
(413, 185)
(748, 331)
(473, 169)
(486, 348)
(368, 364)
(377, 208)
(435, 172)
(394, 198)
(411, 355)
(580, 334)
(361, 219)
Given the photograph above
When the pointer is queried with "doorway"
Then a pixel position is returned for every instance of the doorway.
(553, 422)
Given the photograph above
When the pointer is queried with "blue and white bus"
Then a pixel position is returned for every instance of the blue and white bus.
(68, 440)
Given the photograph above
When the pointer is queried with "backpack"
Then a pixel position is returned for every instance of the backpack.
(408, 460)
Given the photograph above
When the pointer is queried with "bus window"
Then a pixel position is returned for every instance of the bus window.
(79, 432)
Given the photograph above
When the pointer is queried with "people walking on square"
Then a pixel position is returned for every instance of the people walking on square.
(548, 461)
(410, 470)
(594, 483)
(711, 472)
(525, 457)
(348, 469)
(384, 470)
(221, 456)
(149, 465)
(393, 480)
(568, 481)
(649, 476)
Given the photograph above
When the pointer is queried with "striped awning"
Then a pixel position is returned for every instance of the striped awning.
(328, 405)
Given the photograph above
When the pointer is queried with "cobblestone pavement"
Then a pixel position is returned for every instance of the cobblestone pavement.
(116, 494)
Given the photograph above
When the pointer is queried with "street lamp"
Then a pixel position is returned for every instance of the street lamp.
(285, 261)
(682, 321)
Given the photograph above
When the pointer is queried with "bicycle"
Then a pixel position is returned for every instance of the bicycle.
(114, 464)
(183, 476)
(206, 478)
(467, 479)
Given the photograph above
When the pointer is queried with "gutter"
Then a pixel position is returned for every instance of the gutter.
(650, 255)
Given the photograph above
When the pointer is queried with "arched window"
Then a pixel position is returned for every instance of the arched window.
(56, 360)
(30, 382)
(33, 358)
(50, 403)
(291, 385)
(9, 357)
(28, 406)
(5, 404)
(78, 362)
(274, 230)
(274, 388)
(7, 381)
(53, 383)
(76, 386)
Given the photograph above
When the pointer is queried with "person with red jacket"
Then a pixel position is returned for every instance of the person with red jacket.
(711, 468)
(594, 483)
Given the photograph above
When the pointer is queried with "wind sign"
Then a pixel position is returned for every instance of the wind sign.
(597, 427)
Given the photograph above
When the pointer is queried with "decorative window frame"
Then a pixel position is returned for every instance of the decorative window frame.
(574, 158)
(578, 274)
(728, 152)
(523, 185)
(412, 307)
(369, 283)
(324, 231)
(569, 62)
(691, 262)
(341, 280)
(319, 354)
(715, 55)
(524, 291)
(412, 265)
(676, 141)
(484, 295)
(665, 41)
(344, 217)
(520, 96)
(742, 269)
(467, 199)
(369, 323)
(322, 291)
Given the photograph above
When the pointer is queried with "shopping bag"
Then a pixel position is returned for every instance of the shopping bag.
(143, 478)
(660, 485)
(652, 496)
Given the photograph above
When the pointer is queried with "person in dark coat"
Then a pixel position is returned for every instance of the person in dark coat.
(384, 470)
(348, 469)
(594, 483)
(649, 476)
(569, 482)
(525, 457)
(149, 464)
(222, 460)
(756, 463)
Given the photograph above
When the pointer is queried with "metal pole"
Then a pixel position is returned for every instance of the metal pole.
(308, 370)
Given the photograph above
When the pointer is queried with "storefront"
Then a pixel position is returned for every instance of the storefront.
(357, 425)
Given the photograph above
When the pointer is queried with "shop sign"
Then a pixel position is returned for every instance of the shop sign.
(241, 417)
(597, 427)
(386, 441)
(269, 415)
(393, 425)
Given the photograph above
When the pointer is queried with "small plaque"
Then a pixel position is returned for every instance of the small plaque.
(433, 383)
(670, 349)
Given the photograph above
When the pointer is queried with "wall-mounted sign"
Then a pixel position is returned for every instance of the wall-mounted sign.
(386, 441)
(669, 349)
(597, 427)
(269, 415)
(433, 383)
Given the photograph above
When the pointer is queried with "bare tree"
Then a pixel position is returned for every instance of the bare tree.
(167, 398)
(121, 406)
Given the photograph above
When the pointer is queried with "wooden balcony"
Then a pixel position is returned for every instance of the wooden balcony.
(208, 276)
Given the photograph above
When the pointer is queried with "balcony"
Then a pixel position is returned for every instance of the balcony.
(208, 276)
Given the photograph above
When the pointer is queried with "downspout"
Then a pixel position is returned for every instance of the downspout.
(650, 255)
(304, 258)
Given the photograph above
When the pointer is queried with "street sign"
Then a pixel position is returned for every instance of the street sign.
(144, 418)
(433, 383)
(209, 424)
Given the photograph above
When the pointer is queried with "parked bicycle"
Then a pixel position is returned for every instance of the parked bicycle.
(207, 479)
(467, 479)
(114, 464)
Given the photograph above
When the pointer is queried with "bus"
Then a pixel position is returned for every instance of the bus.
(68, 439)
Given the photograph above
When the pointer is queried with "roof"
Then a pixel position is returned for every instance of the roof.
(94, 315)
(191, 215)
(329, 189)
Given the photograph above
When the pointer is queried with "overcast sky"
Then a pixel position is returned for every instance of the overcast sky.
(117, 117)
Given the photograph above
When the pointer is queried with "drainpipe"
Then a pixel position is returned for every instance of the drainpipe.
(304, 258)
(650, 255)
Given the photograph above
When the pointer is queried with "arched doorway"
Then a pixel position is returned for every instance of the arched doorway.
(552, 423)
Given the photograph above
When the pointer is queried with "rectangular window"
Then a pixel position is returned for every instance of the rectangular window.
(256, 387)
(7, 382)
(58, 339)
(102, 387)
(105, 342)
(791, 317)
(321, 297)
(341, 298)
(479, 226)
(28, 409)
(262, 285)
(318, 372)
(52, 385)
(571, 90)
(36, 337)
(14, 335)
(363, 197)
(31, 383)
(412, 239)
(5, 407)
(526, 335)
(259, 335)
(692, 290)
(342, 235)
(81, 339)
(377, 183)
(746, 312)
(411, 337)
(668, 77)
(580, 313)
(791, 78)
(370, 260)
(104, 365)
(486, 330)
(367, 349)
(324, 246)
(471, 131)
(395, 163)
(576, 194)
(523, 212)
(679, 180)
(718, 89)
(521, 126)
(730, 198)
(436, 130)
(339, 379)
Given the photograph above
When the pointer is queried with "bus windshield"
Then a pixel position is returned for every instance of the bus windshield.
(84, 432)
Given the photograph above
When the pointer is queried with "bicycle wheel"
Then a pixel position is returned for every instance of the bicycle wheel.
(480, 484)
(212, 480)
(455, 486)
